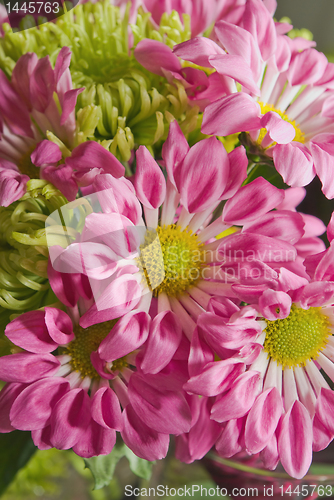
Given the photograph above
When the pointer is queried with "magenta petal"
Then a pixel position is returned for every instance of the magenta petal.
(29, 332)
(13, 109)
(262, 420)
(46, 153)
(162, 410)
(61, 178)
(200, 354)
(149, 180)
(95, 441)
(33, 407)
(21, 75)
(238, 171)
(143, 440)
(164, 339)
(232, 114)
(26, 367)
(106, 410)
(295, 441)
(154, 56)
(70, 418)
(129, 333)
(282, 224)
(238, 400)
(90, 154)
(41, 438)
(8, 395)
(68, 287)
(62, 63)
(59, 325)
(252, 201)
(294, 163)
(204, 175)
(269, 454)
(42, 84)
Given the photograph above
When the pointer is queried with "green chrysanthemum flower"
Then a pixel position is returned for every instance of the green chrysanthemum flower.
(24, 281)
(123, 104)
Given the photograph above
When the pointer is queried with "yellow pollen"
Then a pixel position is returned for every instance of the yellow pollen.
(265, 108)
(171, 259)
(86, 341)
(299, 337)
(27, 167)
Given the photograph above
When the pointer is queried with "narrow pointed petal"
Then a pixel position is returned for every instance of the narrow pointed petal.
(149, 180)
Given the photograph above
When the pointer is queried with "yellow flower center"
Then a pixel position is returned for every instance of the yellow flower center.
(86, 341)
(299, 337)
(171, 259)
(265, 108)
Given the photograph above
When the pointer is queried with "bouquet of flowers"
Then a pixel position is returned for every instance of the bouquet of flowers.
(157, 281)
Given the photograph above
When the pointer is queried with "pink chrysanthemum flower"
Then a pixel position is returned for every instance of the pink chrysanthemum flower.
(37, 100)
(172, 260)
(286, 103)
(63, 390)
(271, 389)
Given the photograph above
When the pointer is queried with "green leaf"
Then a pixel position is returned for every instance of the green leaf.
(103, 466)
(16, 448)
(139, 466)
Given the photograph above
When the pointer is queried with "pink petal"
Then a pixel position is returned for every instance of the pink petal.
(294, 164)
(61, 178)
(163, 340)
(154, 56)
(95, 441)
(69, 103)
(129, 333)
(106, 410)
(198, 50)
(235, 67)
(59, 325)
(204, 175)
(8, 395)
(46, 153)
(321, 436)
(269, 454)
(230, 115)
(325, 409)
(149, 180)
(144, 441)
(295, 441)
(90, 154)
(282, 224)
(275, 305)
(26, 367)
(174, 151)
(307, 67)
(262, 420)
(29, 332)
(21, 76)
(162, 410)
(238, 400)
(279, 130)
(12, 186)
(33, 407)
(116, 300)
(238, 172)
(252, 201)
(42, 84)
(324, 166)
(69, 419)
(228, 443)
(13, 109)
(258, 21)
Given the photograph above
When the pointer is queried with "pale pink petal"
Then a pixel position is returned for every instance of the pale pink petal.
(321, 435)
(324, 167)
(238, 171)
(283, 224)
(307, 67)
(228, 444)
(275, 305)
(279, 130)
(198, 50)
(235, 67)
